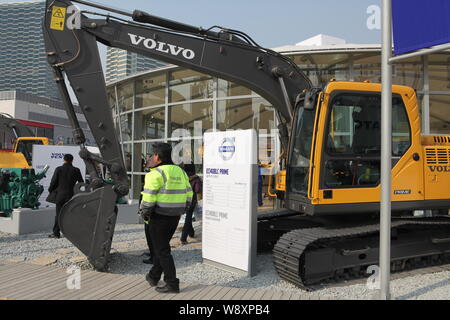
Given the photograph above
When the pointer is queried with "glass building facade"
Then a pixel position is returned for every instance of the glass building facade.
(23, 60)
(429, 76)
(177, 105)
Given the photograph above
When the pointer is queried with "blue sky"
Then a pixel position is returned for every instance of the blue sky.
(271, 23)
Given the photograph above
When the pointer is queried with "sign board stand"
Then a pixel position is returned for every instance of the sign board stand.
(230, 174)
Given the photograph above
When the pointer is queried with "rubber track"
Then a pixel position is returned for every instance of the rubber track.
(288, 251)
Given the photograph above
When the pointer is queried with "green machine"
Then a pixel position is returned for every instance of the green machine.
(20, 188)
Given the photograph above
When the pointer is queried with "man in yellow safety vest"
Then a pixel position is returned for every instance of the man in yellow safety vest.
(166, 195)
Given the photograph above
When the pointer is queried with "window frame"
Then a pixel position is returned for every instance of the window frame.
(352, 156)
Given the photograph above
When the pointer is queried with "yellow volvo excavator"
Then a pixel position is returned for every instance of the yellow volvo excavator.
(20, 155)
(328, 229)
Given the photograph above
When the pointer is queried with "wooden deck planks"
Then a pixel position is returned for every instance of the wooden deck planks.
(114, 284)
(197, 292)
(268, 294)
(258, 294)
(45, 285)
(183, 286)
(28, 281)
(276, 295)
(134, 288)
(89, 281)
(133, 282)
(240, 294)
(249, 294)
(59, 288)
(17, 271)
(140, 289)
(213, 290)
(189, 292)
(222, 292)
(230, 294)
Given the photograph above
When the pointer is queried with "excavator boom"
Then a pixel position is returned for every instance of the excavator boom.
(88, 219)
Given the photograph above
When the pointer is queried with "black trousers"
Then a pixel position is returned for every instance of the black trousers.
(56, 229)
(161, 230)
(188, 229)
(149, 240)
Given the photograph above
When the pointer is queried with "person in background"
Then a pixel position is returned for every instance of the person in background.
(260, 185)
(64, 179)
(149, 260)
(196, 185)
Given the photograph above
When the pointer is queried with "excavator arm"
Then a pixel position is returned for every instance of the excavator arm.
(88, 219)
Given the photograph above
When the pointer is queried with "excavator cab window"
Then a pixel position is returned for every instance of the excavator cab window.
(353, 141)
(298, 171)
(26, 147)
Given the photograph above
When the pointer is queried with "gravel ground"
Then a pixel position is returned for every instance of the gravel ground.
(129, 245)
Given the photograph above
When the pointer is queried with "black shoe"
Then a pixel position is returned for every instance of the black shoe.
(147, 254)
(148, 261)
(57, 236)
(168, 289)
(151, 282)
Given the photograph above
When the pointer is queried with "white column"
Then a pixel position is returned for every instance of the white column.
(386, 133)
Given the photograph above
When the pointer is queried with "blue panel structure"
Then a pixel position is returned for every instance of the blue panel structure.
(419, 24)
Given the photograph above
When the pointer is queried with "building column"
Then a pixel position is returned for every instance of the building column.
(426, 97)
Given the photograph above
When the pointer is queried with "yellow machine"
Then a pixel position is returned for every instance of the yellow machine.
(332, 177)
(421, 164)
(21, 155)
(343, 145)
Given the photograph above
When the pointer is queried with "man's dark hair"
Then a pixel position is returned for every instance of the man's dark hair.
(164, 151)
(68, 157)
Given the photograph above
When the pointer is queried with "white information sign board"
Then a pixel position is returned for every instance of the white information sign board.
(229, 199)
(53, 157)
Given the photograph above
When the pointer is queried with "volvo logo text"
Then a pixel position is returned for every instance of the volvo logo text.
(439, 168)
(162, 46)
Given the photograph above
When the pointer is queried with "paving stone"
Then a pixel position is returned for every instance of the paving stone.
(45, 260)
(65, 251)
(17, 259)
(78, 259)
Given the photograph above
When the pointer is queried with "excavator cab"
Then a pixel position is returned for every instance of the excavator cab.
(335, 151)
(24, 145)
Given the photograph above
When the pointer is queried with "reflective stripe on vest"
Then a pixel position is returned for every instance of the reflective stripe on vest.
(167, 188)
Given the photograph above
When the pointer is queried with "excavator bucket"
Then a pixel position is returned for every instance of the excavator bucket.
(88, 220)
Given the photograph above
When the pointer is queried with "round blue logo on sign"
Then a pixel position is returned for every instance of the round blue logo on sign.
(227, 149)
